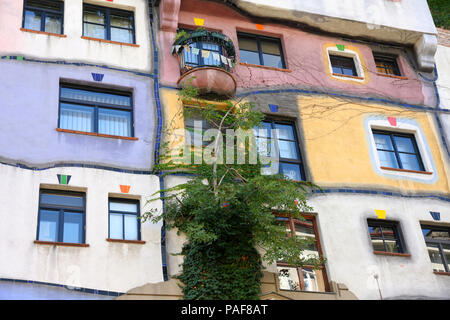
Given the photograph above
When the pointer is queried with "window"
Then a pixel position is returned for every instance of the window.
(385, 236)
(343, 65)
(124, 219)
(95, 110)
(61, 216)
(306, 278)
(261, 50)
(437, 240)
(108, 24)
(397, 150)
(386, 64)
(285, 144)
(193, 119)
(194, 59)
(43, 15)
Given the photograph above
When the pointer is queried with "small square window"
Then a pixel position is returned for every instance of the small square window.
(343, 65)
(261, 50)
(108, 24)
(93, 110)
(437, 239)
(61, 216)
(385, 236)
(386, 64)
(43, 15)
(397, 150)
(124, 223)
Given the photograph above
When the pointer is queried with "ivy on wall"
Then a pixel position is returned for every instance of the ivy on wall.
(440, 10)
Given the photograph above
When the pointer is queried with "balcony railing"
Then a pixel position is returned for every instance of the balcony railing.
(202, 48)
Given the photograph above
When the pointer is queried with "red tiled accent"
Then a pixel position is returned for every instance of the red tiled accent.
(45, 33)
(109, 41)
(126, 241)
(96, 134)
(392, 254)
(405, 170)
(264, 67)
(66, 244)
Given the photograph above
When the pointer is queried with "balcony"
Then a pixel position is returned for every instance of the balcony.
(206, 60)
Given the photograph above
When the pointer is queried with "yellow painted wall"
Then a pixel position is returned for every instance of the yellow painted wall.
(338, 151)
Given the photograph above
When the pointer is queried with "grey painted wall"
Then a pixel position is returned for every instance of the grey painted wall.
(29, 98)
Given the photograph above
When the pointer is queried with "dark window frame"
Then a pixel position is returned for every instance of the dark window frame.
(258, 39)
(395, 225)
(123, 213)
(61, 210)
(44, 13)
(338, 58)
(397, 153)
(309, 220)
(97, 105)
(299, 161)
(438, 242)
(389, 59)
(108, 11)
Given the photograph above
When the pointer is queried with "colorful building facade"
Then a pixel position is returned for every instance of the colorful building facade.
(90, 86)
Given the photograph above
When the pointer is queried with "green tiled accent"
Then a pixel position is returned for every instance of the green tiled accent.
(19, 58)
(340, 47)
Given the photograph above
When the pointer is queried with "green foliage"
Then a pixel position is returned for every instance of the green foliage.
(226, 211)
(440, 10)
(180, 34)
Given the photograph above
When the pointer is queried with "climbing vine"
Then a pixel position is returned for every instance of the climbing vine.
(226, 210)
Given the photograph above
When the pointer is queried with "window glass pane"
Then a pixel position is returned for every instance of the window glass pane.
(122, 35)
(285, 131)
(94, 31)
(383, 141)
(249, 57)
(74, 117)
(446, 248)
(115, 226)
(53, 24)
(263, 130)
(247, 44)
(131, 227)
(435, 257)
(288, 278)
(404, 144)
(270, 47)
(310, 280)
(121, 21)
(410, 162)
(73, 227)
(288, 149)
(272, 61)
(95, 16)
(95, 97)
(390, 239)
(387, 159)
(48, 225)
(265, 146)
(114, 122)
(376, 237)
(32, 20)
(61, 200)
(123, 206)
(211, 47)
(291, 171)
(436, 234)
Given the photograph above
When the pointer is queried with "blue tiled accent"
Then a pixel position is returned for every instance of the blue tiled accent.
(435, 215)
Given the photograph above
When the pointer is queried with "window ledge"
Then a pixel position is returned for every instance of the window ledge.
(96, 134)
(110, 41)
(392, 76)
(405, 170)
(125, 241)
(264, 67)
(43, 32)
(392, 254)
(66, 244)
(442, 273)
(347, 76)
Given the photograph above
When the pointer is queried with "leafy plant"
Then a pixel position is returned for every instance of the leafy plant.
(226, 210)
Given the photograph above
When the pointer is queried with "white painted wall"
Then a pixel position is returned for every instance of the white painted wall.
(344, 235)
(103, 265)
(73, 47)
(443, 84)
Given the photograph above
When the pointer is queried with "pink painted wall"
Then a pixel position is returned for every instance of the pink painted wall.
(305, 56)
